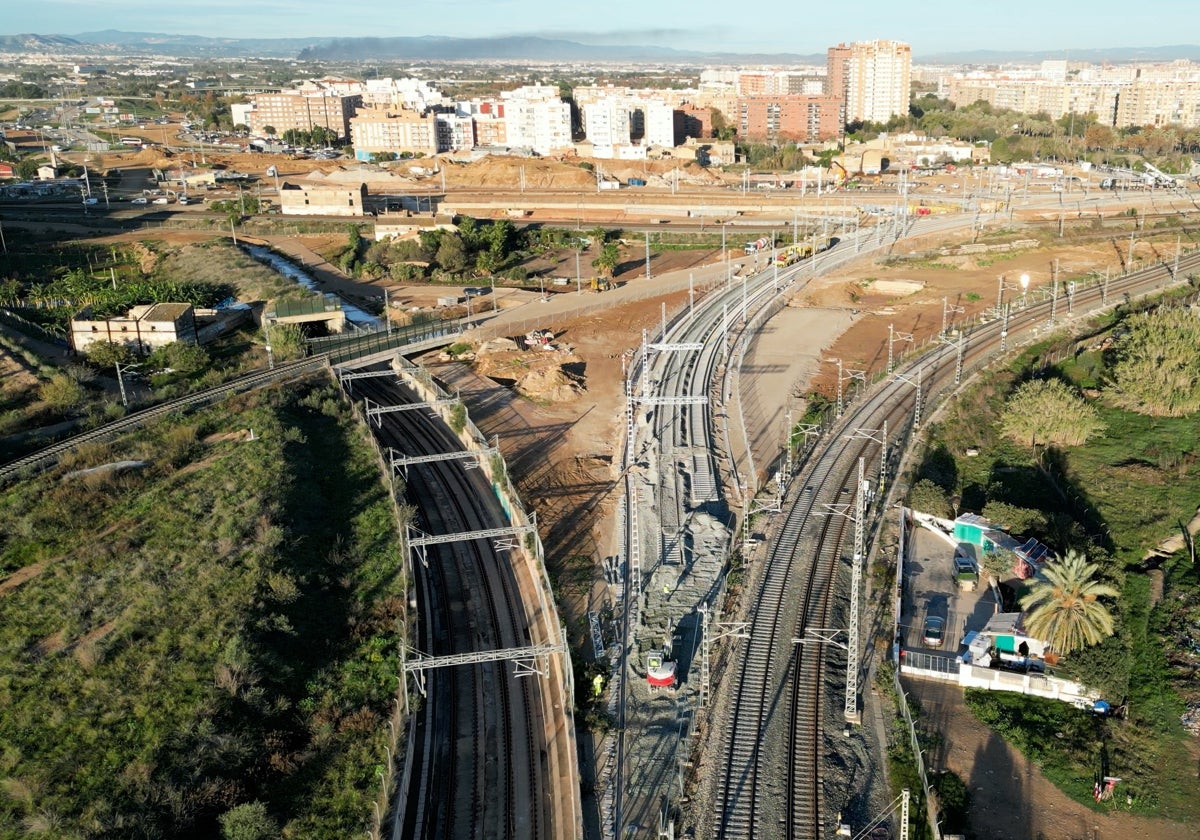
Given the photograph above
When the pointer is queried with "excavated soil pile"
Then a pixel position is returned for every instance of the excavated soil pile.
(550, 375)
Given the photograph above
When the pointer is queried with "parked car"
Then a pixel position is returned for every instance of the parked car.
(935, 631)
(139, 200)
(163, 200)
(965, 573)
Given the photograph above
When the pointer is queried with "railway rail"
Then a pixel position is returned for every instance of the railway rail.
(479, 739)
(807, 560)
(47, 456)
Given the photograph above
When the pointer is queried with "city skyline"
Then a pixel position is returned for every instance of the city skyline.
(702, 25)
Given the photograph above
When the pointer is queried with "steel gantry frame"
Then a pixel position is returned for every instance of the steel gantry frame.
(859, 516)
(421, 542)
(915, 381)
(344, 377)
(893, 337)
(525, 661)
(722, 630)
(373, 413)
(399, 461)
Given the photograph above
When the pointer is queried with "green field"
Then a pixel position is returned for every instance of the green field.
(217, 628)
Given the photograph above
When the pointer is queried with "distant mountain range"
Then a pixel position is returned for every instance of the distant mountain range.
(511, 48)
(1095, 56)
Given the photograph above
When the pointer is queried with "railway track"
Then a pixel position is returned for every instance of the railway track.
(47, 456)
(480, 739)
(798, 584)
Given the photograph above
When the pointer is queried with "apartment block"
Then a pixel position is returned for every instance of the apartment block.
(880, 74)
(796, 119)
(1159, 103)
(537, 118)
(383, 129)
(302, 111)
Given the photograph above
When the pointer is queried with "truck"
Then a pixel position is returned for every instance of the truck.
(637, 182)
(760, 244)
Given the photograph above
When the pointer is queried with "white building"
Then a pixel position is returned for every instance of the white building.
(536, 118)
(879, 80)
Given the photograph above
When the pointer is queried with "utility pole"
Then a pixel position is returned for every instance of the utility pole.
(948, 309)
(647, 255)
(270, 354)
(387, 310)
(121, 380)
(894, 336)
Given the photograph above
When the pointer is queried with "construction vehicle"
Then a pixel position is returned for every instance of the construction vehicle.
(760, 244)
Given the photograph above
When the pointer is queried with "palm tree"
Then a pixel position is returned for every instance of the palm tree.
(1063, 606)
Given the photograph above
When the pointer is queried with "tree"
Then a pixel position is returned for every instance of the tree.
(1158, 369)
(1015, 520)
(269, 130)
(606, 263)
(927, 497)
(1063, 606)
(106, 354)
(26, 169)
(451, 253)
(249, 821)
(1048, 411)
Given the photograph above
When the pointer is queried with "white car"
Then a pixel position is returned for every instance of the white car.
(162, 201)
(139, 200)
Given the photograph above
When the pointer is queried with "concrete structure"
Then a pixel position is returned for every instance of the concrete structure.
(323, 309)
(322, 199)
(304, 110)
(143, 329)
(879, 80)
(797, 119)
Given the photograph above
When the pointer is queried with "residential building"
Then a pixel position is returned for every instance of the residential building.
(1158, 103)
(303, 111)
(692, 121)
(381, 129)
(795, 119)
(879, 80)
(143, 329)
(537, 119)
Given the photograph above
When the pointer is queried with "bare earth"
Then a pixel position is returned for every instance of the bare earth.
(1010, 799)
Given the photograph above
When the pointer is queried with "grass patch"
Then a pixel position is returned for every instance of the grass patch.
(217, 628)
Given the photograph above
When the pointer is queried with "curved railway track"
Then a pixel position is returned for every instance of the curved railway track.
(779, 695)
(479, 743)
(49, 454)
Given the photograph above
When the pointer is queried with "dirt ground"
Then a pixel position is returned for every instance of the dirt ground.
(1010, 799)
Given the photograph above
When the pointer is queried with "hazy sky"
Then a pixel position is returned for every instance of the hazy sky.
(931, 26)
